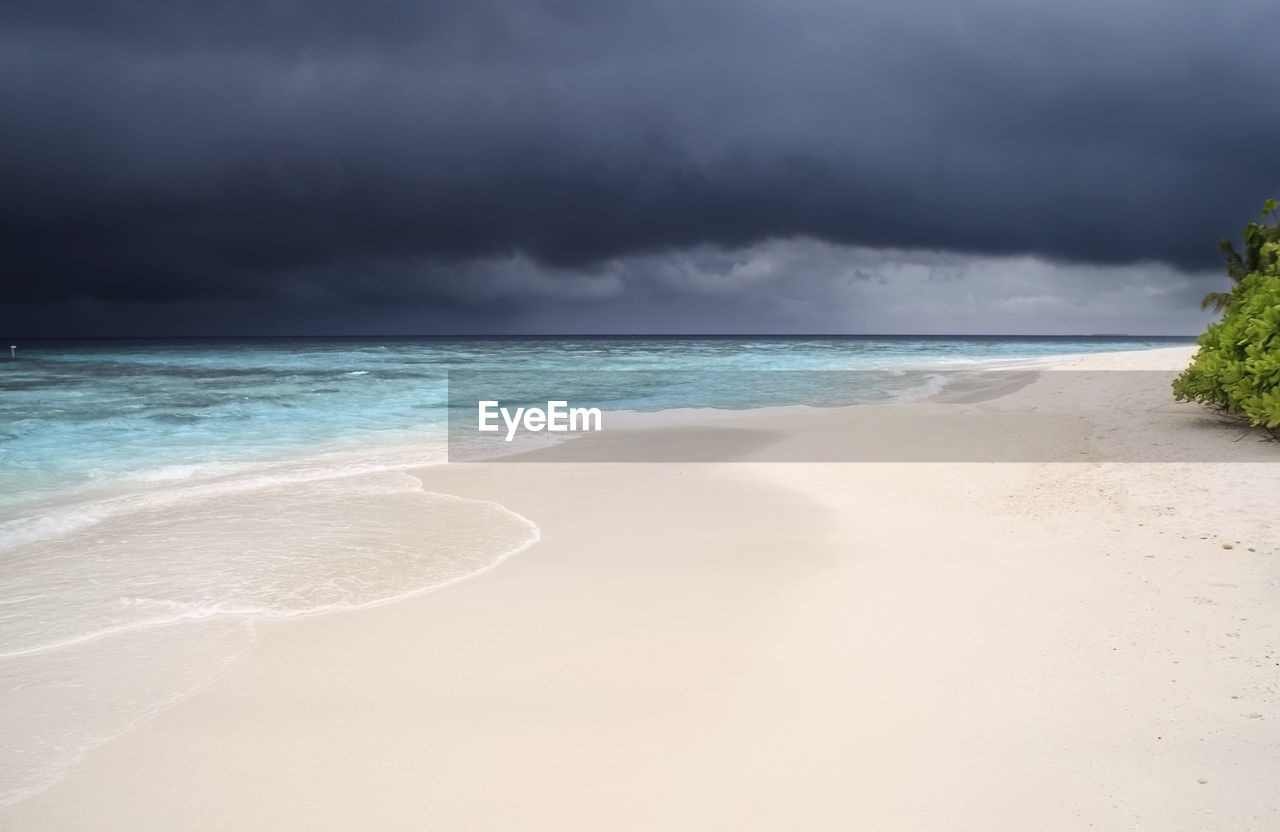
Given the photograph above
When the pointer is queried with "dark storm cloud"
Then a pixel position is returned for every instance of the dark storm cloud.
(381, 152)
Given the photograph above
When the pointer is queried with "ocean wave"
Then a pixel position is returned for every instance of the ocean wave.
(168, 485)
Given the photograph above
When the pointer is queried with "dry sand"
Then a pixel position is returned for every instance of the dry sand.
(763, 645)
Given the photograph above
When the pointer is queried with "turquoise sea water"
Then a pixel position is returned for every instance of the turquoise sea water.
(76, 416)
(158, 498)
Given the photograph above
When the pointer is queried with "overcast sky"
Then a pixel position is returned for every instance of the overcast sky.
(398, 166)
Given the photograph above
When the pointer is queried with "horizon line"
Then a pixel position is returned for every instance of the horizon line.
(608, 335)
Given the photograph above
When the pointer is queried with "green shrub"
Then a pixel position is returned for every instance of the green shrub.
(1238, 365)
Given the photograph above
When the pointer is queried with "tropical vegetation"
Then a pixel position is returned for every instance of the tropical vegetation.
(1237, 367)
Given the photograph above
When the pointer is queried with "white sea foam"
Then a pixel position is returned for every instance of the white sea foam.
(930, 384)
(24, 530)
(177, 484)
(174, 473)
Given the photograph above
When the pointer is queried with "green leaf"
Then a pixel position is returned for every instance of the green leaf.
(1238, 364)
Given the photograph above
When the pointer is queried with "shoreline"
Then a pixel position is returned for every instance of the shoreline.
(968, 392)
(1077, 413)
(810, 625)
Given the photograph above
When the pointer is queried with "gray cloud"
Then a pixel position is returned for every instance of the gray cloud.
(777, 286)
(501, 164)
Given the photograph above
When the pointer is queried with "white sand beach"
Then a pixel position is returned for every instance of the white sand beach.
(778, 646)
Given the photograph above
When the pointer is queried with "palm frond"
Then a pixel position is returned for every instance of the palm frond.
(1218, 300)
